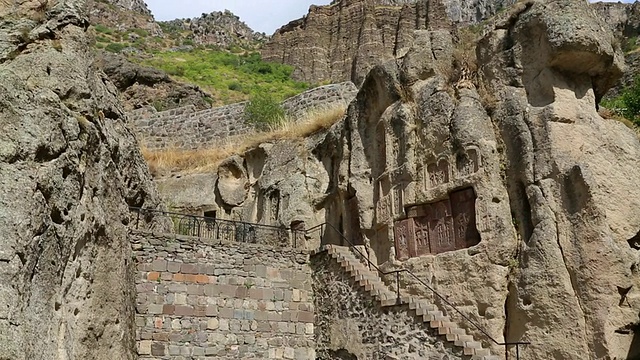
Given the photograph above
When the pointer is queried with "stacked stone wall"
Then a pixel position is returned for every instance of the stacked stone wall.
(186, 128)
(206, 300)
(352, 325)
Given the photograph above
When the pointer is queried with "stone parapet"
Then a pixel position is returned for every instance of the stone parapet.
(187, 129)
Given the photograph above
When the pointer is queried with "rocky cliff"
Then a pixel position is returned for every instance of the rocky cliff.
(487, 171)
(141, 86)
(220, 29)
(69, 168)
(344, 40)
(123, 15)
(624, 20)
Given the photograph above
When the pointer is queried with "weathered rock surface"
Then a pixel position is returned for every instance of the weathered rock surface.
(220, 28)
(69, 167)
(504, 188)
(346, 39)
(123, 15)
(624, 20)
(142, 86)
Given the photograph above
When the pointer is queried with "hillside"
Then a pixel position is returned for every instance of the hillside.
(206, 61)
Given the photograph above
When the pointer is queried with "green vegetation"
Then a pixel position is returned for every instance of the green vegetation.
(630, 44)
(115, 47)
(627, 104)
(264, 111)
(103, 29)
(229, 77)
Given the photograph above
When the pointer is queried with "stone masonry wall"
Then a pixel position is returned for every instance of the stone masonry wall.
(352, 325)
(185, 128)
(205, 299)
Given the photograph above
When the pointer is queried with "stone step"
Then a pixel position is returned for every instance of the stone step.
(457, 334)
(446, 327)
(463, 339)
(471, 347)
(481, 352)
(486, 357)
(425, 309)
(371, 282)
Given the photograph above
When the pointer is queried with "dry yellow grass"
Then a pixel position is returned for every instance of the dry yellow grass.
(192, 161)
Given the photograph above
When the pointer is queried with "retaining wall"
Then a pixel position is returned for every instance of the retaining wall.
(205, 300)
(185, 128)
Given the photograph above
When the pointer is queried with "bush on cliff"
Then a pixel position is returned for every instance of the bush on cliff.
(263, 111)
(627, 103)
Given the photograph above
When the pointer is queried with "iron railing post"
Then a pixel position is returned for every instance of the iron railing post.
(398, 300)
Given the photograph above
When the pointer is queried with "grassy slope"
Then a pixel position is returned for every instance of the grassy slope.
(230, 75)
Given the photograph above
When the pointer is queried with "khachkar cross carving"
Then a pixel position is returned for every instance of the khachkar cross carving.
(468, 163)
(439, 227)
(438, 173)
(383, 208)
(464, 214)
(421, 226)
(404, 239)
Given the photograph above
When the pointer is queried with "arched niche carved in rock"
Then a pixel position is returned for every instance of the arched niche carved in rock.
(468, 163)
(438, 172)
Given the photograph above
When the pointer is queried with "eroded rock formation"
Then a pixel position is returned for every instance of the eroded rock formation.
(500, 185)
(344, 40)
(142, 86)
(219, 28)
(69, 168)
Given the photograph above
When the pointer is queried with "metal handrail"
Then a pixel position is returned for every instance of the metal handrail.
(214, 228)
(224, 228)
(441, 297)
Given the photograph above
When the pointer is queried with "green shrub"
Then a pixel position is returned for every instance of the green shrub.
(140, 32)
(627, 103)
(235, 86)
(263, 110)
(176, 71)
(115, 47)
(103, 29)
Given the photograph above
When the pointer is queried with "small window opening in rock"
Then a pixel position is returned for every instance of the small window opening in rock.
(297, 225)
(634, 242)
(623, 291)
(210, 214)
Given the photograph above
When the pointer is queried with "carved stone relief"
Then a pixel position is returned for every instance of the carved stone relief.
(421, 228)
(464, 218)
(398, 200)
(384, 205)
(404, 236)
(438, 173)
(439, 227)
(469, 163)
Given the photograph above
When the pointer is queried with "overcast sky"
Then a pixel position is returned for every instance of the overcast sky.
(261, 15)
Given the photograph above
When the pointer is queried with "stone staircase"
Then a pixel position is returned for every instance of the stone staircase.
(371, 283)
